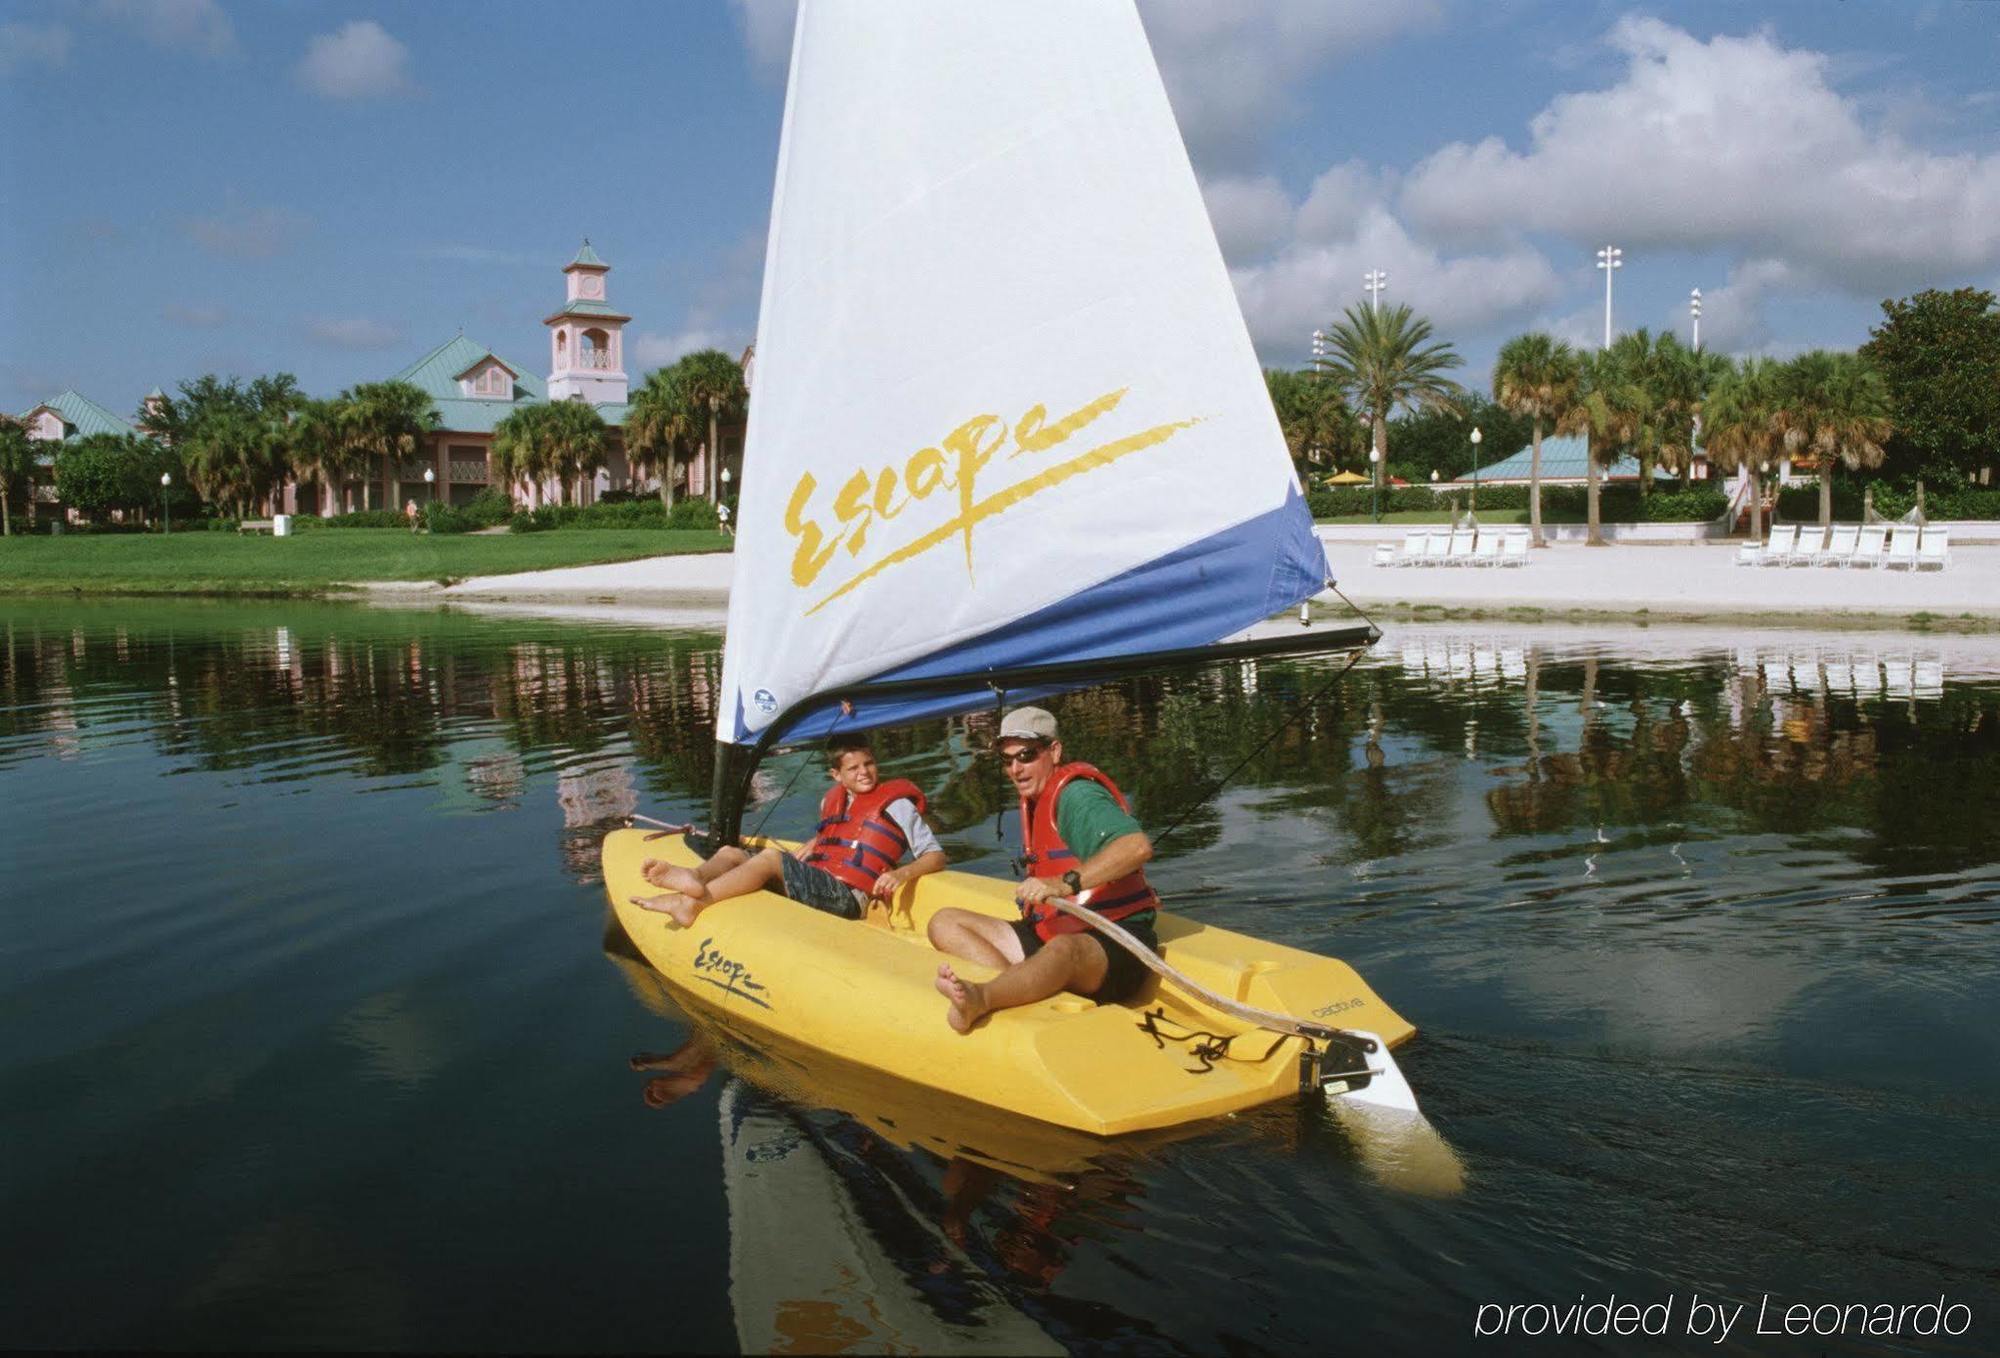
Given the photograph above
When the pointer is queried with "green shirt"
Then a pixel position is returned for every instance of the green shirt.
(1088, 817)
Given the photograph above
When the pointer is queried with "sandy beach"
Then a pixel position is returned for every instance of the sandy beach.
(1659, 581)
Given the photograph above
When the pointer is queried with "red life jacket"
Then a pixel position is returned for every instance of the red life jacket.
(1048, 856)
(856, 842)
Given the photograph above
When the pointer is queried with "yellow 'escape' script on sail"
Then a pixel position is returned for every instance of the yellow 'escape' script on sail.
(866, 497)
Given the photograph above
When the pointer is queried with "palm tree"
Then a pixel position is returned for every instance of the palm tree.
(1318, 428)
(229, 458)
(713, 382)
(1836, 405)
(556, 440)
(523, 448)
(389, 420)
(578, 439)
(1382, 359)
(321, 450)
(17, 466)
(659, 425)
(1610, 408)
(1537, 376)
(1740, 428)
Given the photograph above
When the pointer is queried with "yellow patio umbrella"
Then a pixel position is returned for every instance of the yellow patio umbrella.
(1347, 479)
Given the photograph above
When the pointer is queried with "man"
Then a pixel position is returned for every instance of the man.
(1078, 834)
(866, 827)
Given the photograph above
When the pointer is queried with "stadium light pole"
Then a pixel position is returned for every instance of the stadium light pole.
(1694, 310)
(1374, 281)
(1608, 259)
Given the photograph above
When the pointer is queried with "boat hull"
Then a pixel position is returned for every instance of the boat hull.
(865, 991)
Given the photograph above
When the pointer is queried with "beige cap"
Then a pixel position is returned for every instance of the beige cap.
(1027, 723)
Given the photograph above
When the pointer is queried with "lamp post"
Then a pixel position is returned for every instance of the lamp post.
(1608, 259)
(1694, 310)
(166, 510)
(1374, 482)
(1476, 437)
(430, 481)
(1374, 281)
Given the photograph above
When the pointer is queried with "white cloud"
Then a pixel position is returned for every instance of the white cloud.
(248, 233)
(767, 31)
(654, 350)
(1251, 216)
(24, 45)
(197, 317)
(1232, 71)
(360, 60)
(353, 332)
(1308, 283)
(1736, 144)
(199, 26)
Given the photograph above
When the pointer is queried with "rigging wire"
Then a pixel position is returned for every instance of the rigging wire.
(1275, 731)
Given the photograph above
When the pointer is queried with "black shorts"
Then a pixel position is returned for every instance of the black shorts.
(1124, 973)
(821, 890)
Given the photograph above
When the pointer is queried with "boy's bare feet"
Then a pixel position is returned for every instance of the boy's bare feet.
(968, 999)
(673, 904)
(674, 878)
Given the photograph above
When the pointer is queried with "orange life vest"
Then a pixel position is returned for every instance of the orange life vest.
(1048, 856)
(856, 842)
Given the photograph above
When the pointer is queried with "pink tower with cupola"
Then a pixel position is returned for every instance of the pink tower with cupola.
(586, 338)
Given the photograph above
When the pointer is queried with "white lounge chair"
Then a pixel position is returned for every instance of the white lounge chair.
(1487, 551)
(1437, 545)
(1413, 548)
(1931, 552)
(1902, 548)
(1812, 539)
(1461, 548)
(1749, 553)
(1872, 546)
(1779, 549)
(1385, 554)
(1514, 550)
(1839, 545)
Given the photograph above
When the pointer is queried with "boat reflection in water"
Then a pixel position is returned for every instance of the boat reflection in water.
(870, 1214)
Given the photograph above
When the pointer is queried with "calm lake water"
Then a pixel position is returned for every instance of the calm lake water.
(315, 1030)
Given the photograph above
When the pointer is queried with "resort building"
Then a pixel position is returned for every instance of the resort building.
(1565, 462)
(473, 388)
(69, 415)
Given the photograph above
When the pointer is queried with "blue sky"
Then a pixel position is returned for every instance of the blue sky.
(197, 185)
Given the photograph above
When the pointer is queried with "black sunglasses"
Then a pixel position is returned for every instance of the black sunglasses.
(1023, 756)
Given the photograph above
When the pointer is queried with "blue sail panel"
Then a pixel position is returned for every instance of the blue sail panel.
(1199, 594)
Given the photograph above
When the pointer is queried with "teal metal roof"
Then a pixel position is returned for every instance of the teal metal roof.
(1563, 459)
(587, 258)
(437, 371)
(85, 417)
(613, 412)
(436, 374)
(584, 307)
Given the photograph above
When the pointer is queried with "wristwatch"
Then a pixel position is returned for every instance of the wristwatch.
(1073, 880)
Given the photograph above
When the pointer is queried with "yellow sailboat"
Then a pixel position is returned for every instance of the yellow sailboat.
(1008, 433)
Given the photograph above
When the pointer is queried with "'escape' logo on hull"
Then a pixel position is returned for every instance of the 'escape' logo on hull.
(727, 974)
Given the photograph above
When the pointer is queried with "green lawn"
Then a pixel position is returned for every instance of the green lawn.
(312, 562)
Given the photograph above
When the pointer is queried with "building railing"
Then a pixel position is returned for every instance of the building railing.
(468, 473)
(593, 358)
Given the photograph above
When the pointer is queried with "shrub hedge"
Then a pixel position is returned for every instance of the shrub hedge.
(1617, 504)
(1800, 504)
(631, 513)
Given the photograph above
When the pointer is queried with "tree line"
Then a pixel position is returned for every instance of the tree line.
(228, 445)
(1919, 400)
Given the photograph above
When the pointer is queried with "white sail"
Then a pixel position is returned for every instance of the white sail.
(1006, 408)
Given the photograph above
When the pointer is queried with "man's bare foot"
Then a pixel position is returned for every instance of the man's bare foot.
(674, 878)
(672, 904)
(693, 1052)
(968, 999)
